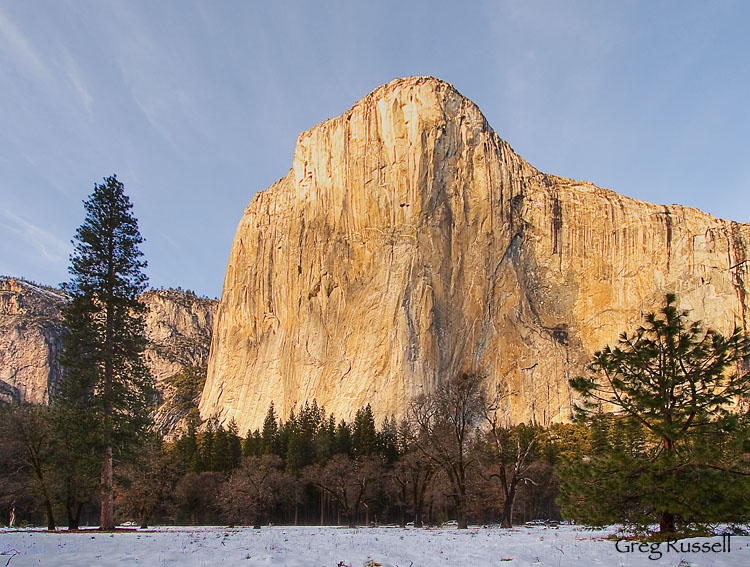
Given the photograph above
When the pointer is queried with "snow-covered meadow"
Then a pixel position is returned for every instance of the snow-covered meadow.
(333, 547)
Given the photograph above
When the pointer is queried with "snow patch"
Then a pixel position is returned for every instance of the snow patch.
(332, 547)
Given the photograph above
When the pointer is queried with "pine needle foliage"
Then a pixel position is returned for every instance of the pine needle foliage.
(107, 388)
(666, 431)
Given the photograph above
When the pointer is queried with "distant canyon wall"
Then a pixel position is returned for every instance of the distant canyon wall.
(30, 331)
(178, 326)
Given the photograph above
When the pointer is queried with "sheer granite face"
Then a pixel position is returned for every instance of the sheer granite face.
(409, 242)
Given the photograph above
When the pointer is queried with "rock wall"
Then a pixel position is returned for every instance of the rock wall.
(409, 242)
(29, 340)
(178, 326)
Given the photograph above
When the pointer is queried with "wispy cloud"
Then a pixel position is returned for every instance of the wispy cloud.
(153, 114)
(51, 76)
(153, 70)
(44, 243)
(21, 51)
(77, 80)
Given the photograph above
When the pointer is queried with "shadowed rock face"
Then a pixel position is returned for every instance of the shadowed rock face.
(409, 242)
(178, 326)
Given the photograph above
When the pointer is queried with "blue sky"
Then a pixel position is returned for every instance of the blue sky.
(197, 105)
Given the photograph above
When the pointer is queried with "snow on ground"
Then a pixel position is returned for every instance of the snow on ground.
(333, 547)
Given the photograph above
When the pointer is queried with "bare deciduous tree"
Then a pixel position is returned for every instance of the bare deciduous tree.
(197, 495)
(26, 463)
(511, 451)
(254, 488)
(445, 422)
(410, 476)
(148, 483)
(347, 482)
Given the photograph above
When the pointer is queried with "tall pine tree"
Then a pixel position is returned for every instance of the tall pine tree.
(107, 386)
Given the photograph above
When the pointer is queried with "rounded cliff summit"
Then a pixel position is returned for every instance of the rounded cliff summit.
(408, 242)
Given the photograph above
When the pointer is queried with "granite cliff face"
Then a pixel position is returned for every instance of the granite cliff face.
(178, 326)
(409, 242)
(29, 340)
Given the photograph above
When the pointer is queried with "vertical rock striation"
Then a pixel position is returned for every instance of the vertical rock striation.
(409, 242)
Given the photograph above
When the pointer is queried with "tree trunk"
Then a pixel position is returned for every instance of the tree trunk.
(666, 523)
(50, 514)
(461, 517)
(12, 521)
(51, 527)
(45, 492)
(350, 518)
(667, 520)
(107, 495)
(74, 518)
(322, 508)
(145, 515)
(107, 520)
(460, 502)
(47, 502)
(507, 521)
(419, 496)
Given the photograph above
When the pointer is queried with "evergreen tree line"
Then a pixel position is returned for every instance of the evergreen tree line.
(456, 457)
(308, 469)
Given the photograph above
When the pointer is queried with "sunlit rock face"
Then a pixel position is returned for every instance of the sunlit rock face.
(409, 242)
